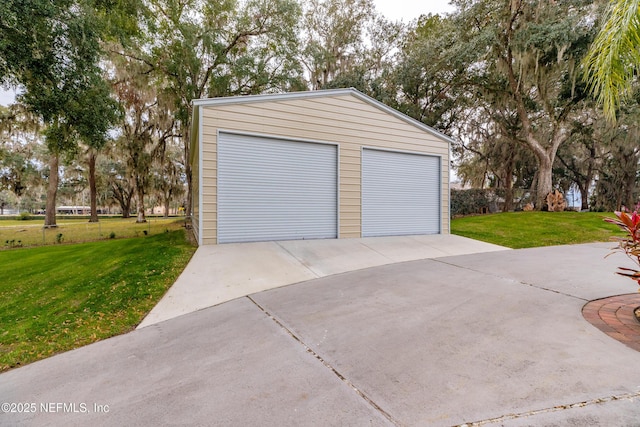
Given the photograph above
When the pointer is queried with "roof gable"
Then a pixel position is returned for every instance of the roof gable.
(320, 94)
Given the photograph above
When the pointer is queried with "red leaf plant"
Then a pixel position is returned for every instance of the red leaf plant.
(629, 244)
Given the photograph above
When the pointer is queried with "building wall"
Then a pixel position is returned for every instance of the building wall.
(343, 119)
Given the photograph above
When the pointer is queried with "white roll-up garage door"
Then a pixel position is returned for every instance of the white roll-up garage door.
(274, 189)
(400, 193)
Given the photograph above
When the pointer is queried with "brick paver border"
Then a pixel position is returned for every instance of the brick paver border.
(615, 317)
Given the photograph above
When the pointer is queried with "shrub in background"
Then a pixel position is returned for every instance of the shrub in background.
(466, 202)
(13, 243)
(24, 216)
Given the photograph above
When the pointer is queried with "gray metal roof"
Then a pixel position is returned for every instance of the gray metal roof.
(319, 94)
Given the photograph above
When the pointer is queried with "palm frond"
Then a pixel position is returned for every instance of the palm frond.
(614, 56)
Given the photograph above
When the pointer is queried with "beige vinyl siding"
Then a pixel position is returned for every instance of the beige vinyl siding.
(209, 185)
(327, 128)
(344, 120)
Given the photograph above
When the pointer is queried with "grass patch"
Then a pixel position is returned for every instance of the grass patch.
(16, 233)
(56, 298)
(531, 229)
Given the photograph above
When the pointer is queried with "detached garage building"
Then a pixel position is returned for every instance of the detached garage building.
(314, 165)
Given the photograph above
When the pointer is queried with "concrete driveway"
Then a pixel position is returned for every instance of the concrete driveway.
(494, 338)
(221, 273)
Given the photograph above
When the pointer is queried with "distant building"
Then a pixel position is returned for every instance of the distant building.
(74, 210)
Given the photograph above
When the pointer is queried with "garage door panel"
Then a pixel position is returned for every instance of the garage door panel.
(400, 193)
(272, 189)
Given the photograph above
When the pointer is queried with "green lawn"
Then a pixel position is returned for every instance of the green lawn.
(530, 229)
(56, 298)
(16, 233)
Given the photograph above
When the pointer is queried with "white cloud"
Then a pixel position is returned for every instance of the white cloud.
(7, 97)
(408, 10)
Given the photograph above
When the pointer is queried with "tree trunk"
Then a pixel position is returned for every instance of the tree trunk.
(167, 201)
(141, 217)
(629, 186)
(92, 186)
(508, 199)
(124, 199)
(186, 137)
(545, 184)
(140, 194)
(584, 196)
(618, 204)
(584, 205)
(125, 205)
(508, 187)
(589, 178)
(52, 192)
(189, 204)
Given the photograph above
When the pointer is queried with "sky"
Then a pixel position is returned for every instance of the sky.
(405, 10)
(6, 97)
